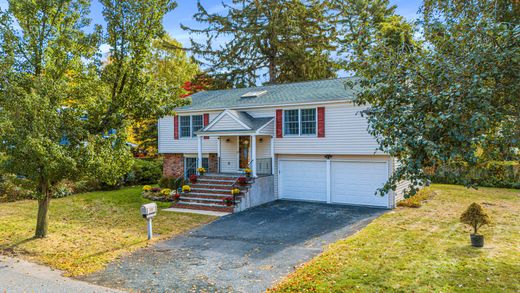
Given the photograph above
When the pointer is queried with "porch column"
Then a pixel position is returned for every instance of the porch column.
(199, 151)
(253, 154)
(218, 154)
(272, 155)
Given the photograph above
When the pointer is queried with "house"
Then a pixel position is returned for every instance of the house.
(303, 141)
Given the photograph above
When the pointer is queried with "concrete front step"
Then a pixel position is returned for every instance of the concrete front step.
(204, 207)
(206, 195)
(201, 200)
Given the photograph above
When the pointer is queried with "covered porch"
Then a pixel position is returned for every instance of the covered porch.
(243, 142)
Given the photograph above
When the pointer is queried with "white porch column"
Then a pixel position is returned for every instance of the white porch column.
(199, 151)
(272, 155)
(218, 153)
(253, 154)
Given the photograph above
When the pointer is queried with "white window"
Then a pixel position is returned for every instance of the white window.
(190, 124)
(299, 122)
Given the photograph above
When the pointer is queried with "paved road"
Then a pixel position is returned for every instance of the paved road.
(244, 252)
(18, 276)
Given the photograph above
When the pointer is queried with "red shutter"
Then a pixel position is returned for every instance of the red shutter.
(175, 127)
(321, 121)
(206, 122)
(279, 118)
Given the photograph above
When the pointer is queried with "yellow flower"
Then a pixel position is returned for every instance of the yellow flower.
(201, 170)
(166, 191)
(247, 170)
(147, 188)
(235, 191)
(186, 188)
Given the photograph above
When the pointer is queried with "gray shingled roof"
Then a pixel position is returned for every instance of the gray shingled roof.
(253, 123)
(280, 94)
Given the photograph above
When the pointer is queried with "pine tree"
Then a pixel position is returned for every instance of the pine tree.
(277, 40)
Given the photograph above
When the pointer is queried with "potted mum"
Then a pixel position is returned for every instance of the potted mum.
(201, 171)
(186, 188)
(242, 181)
(228, 201)
(235, 191)
(248, 172)
(193, 178)
(176, 197)
(476, 217)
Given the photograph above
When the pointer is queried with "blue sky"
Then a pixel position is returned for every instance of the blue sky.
(186, 8)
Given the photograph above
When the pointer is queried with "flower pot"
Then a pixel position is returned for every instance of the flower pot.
(477, 240)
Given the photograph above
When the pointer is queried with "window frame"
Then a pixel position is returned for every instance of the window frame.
(191, 133)
(300, 134)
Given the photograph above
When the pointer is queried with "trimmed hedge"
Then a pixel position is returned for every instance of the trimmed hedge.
(503, 174)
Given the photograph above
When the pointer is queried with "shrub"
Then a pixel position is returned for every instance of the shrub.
(13, 188)
(475, 216)
(504, 174)
(417, 200)
(228, 201)
(144, 172)
(166, 191)
(193, 178)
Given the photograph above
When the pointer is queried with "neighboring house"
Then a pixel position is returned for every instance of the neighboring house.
(303, 141)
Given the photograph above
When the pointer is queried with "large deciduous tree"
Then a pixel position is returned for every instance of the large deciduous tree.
(450, 96)
(281, 41)
(63, 110)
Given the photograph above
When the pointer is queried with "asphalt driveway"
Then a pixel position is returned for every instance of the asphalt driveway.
(244, 252)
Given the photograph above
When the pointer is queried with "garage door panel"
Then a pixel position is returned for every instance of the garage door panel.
(303, 180)
(357, 182)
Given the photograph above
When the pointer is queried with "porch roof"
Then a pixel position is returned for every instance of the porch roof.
(241, 123)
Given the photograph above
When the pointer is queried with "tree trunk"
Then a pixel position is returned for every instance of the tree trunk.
(42, 221)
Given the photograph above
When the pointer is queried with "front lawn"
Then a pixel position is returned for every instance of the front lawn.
(423, 249)
(87, 231)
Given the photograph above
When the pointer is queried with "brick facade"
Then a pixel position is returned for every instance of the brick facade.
(173, 165)
(212, 163)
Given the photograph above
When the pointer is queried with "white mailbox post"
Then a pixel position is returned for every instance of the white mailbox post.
(149, 211)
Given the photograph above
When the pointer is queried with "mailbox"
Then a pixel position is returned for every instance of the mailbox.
(149, 210)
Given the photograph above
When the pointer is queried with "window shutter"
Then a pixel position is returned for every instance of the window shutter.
(175, 127)
(321, 121)
(206, 122)
(279, 123)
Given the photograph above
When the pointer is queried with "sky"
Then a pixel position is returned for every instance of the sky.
(186, 8)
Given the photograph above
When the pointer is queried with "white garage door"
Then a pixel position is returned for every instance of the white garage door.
(356, 182)
(303, 180)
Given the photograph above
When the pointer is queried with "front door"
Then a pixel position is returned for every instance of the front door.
(244, 142)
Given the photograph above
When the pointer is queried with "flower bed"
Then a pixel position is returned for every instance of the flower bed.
(158, 194)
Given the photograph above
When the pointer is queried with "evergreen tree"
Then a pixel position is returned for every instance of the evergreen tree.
(281, 40)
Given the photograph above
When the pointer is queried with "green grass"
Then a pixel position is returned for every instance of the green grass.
(87, 231)
(423, 249)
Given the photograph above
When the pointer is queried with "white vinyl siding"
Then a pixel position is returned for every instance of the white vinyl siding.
(268, 129)
(227, 123)
(186, 145)
(228, 154)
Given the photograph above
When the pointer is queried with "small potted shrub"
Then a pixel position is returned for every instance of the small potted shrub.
(476, 217)
(156, 189)
(193, 178)
(176, 197)
(201, 171)
(242, 181)
(248, 172)
(228, 201)
(186, 188)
